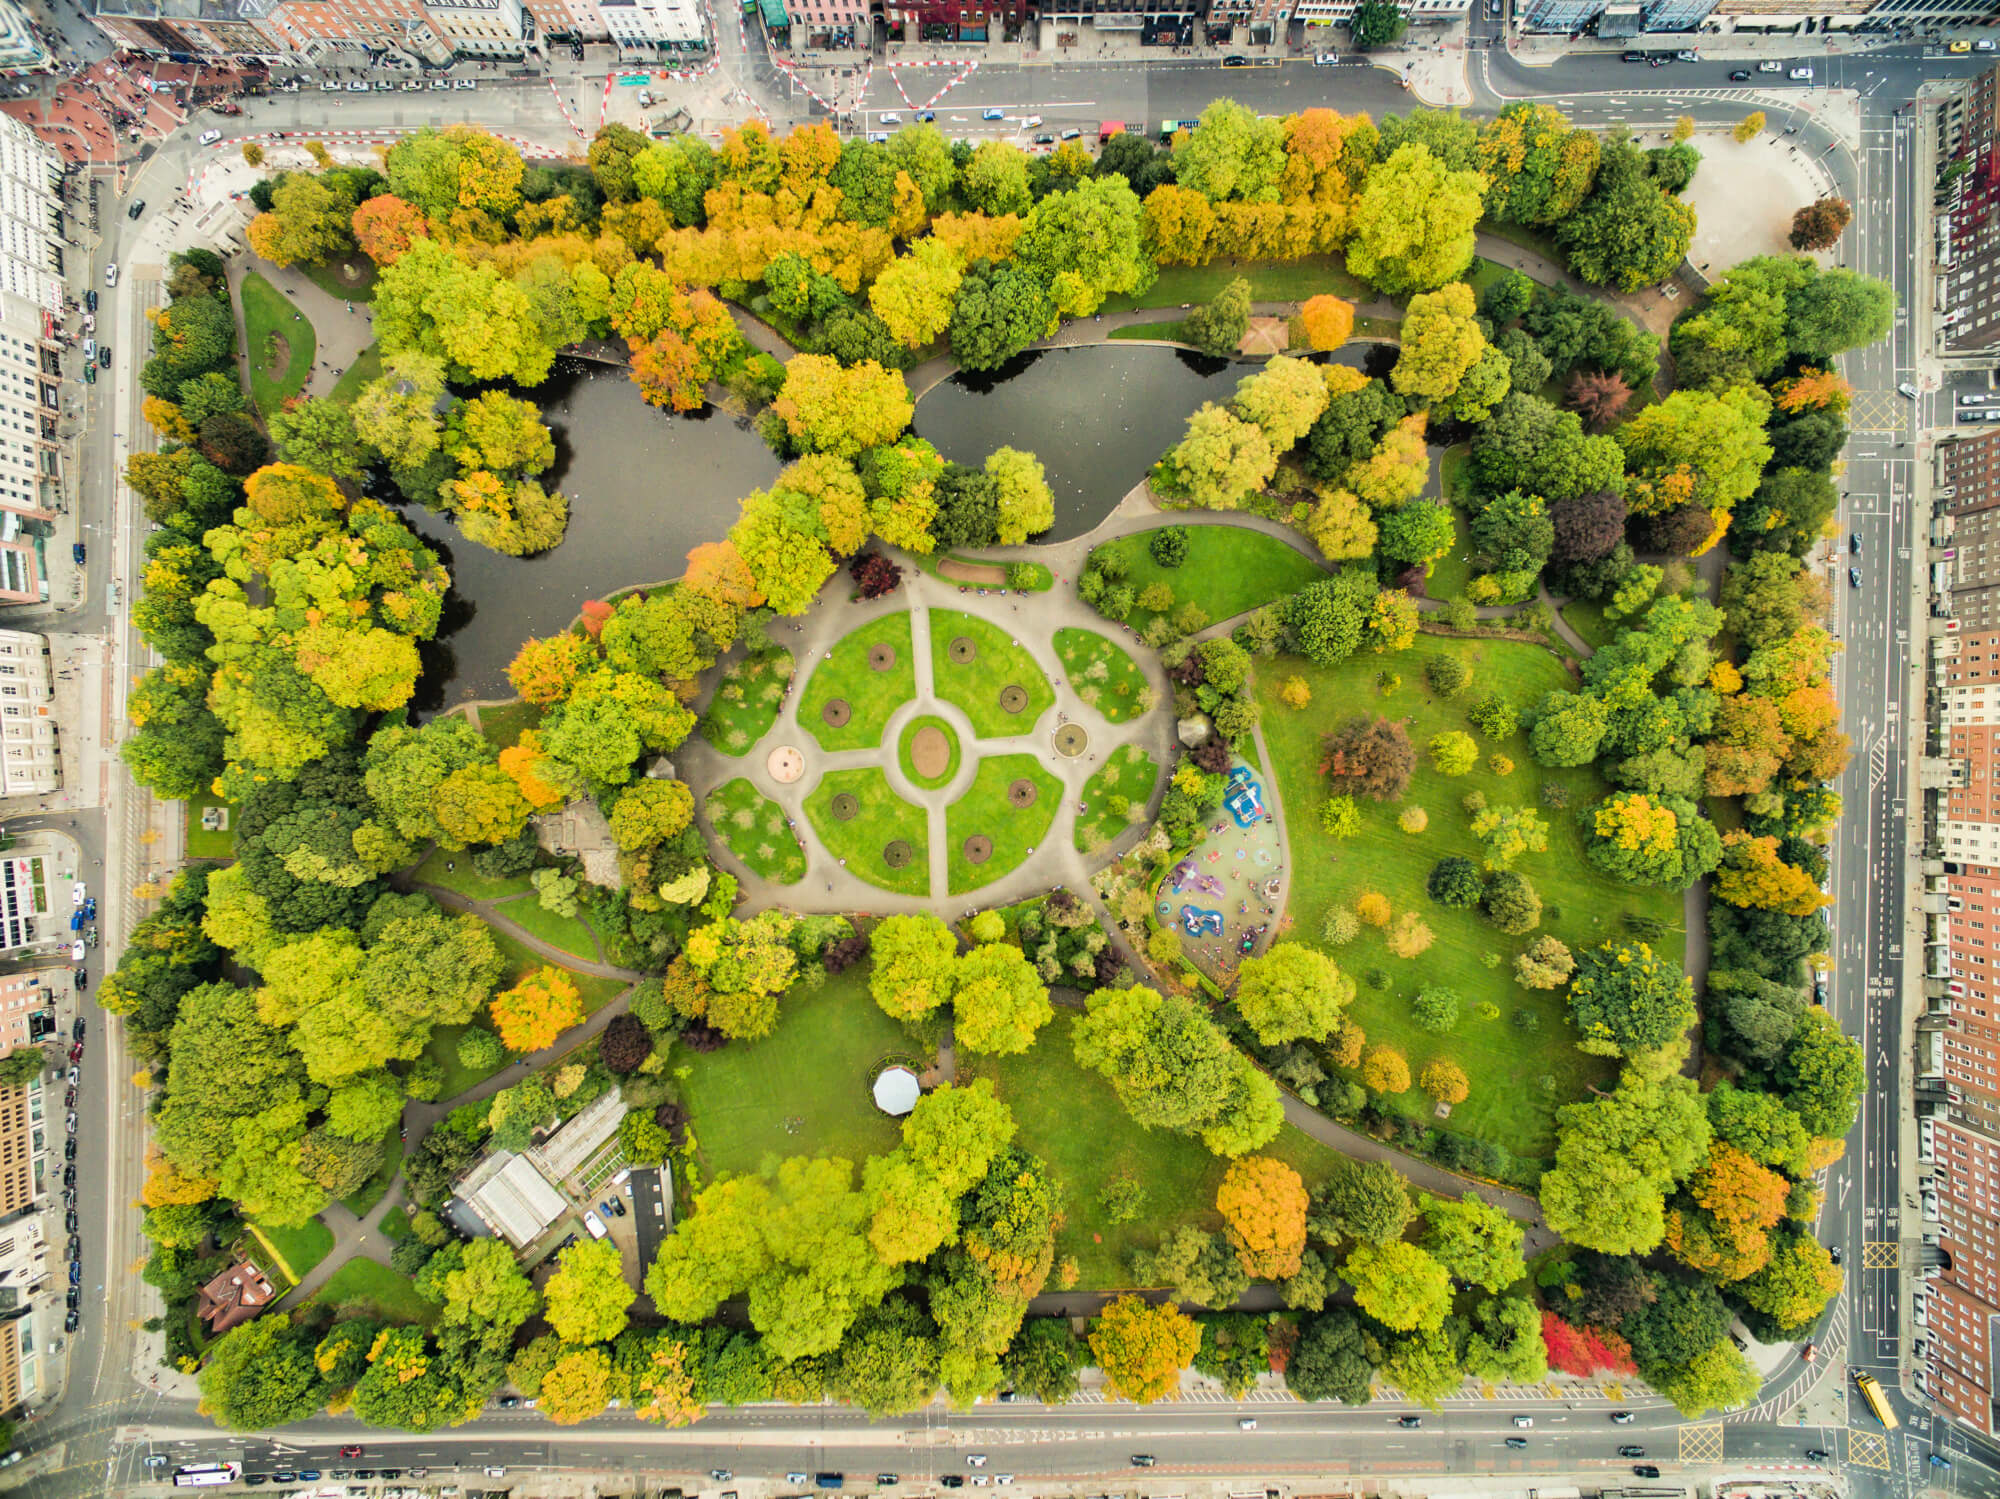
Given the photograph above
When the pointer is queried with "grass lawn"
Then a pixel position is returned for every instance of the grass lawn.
(367, 366)
(364, 1284)
(1451, 572)
(802, 1090)
(871, 696)
(984, 809)
(522, 960)
(570, 933)
(463, 879)
(297, 1250)
(371, 1191)
(975, 686)
(357, 287)
(396, 1224)
(281, 344)
(1228, 570)
(503, 724)
(1130, 773)
(1111, 680)
(1519, 1077)
(203, 844)
(442, 1048)
(1070, 1118)
(1171, 330)
(883, 818)
(903, 756)
(1039, 578)
(1272, 281)
(753, 827)
(1588, 620)
(746, 701)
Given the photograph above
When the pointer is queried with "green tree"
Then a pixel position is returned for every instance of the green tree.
(1377, 23)
(1412, 224)
(261, 1375)
(1292, 992)
(1441, 343)
(587, 1296)
(1398, 1284)
(1474, 1241)
(1026, 504)
(1331, 1360)
(1617, 1156)
(1232, 154)
(1629, 230)
(915, 965)
(1366, 1200)
(320, 434)
(1000, 1002)
(1720, 1378)
(888, 1363)
(1173, 1069)
(1086, 244)
(1625, 1000)
(1217, 327)
(1822, 1075)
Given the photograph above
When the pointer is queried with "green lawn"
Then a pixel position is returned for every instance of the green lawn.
(462, 879)
(910, 731)
(1102, 673)
(1588, 620)
(1451, 572)
(365, 1285)
(746, 701)
(360, 287)
(1070, 1118)
(1171, 330)
(1128, 772)
(984, 809)
(281, 343)
(802, 1090)
(1518, 1077)
(371, 1191)
(297, 1250)
(442, 1048)
(753, 828)
(1229, 569)
(503, 724)
(396, 1224)
(367, 366)
(1270, 281)
(570, 933)
(883, 818)
(202, 844)
(871, 696)
(975, 686)
(522, 960)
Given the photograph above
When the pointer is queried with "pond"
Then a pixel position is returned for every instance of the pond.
(1098, 416)
(644, 486)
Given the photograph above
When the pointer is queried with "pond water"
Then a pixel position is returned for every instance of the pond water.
(643, 486)
(1098, 416)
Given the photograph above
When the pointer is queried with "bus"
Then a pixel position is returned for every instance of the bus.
(1872, 1393)
(207, 1475)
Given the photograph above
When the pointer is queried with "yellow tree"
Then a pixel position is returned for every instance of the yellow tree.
(914, 296)
(1142, 1349)
(1264, 1203)
(1327, 321)
(1440, 343)
(537, 1010)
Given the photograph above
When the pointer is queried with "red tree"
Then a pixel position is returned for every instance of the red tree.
(1584, 1351)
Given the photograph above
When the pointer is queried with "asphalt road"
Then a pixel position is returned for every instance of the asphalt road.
(101, 1425)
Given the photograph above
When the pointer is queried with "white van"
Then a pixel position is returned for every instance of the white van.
(595, 1224)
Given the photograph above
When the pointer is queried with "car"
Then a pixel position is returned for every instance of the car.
(496, 1472)
(89, 914)
(1235, 60)
(1144, 1460)
(82, 979)
(78, 893)
(1800, 75)
(438, 83)
(1045, 140)
(1834, 1254)
(1985, 44)
(795, 1478)
(76, 1272)
(1816, 1454)
(975, 1459)
(284, 1475)
(358, 88)
(90, 374)
(76, 1074)
(980, 1481)
(75, 1298)
(1524, 1421)
(77, 550)
(891, 118)
(308, 1475)
(89, 349)
(595, 1224)
(1907, 390)
(1959, 47)
(1003, 1477)
(69, 1099)
(413, 87)
(509, 1402)
(1658, 62)
(1007, 1397)
(720, 1475)
(350, 1452)
(1741, 75)
(90, 300)
(1621, 1418)
(156, 1459)
(1632, 57)
(888, 1480)
(69, 1148)
(71, 1322)
(76, 952)
(1029, 122)
(1517, 1443)
(1409, 1423)
(952, 1480)
(878, 137)
(1246, 1423)
(1809, 1353)
(1645, 1470)
(994, 113)
(1493, 7)
(1940, 1461)
(111, 274)
(384, 86)
(210, 137)
(1071, 134)
(1631, 1451)
(618, 1206)
(364, 1472)
(1853, 545)
(1854, 577)
(1326, 59)
(1687, 54)
(336, 1474)
(465, 83)
(104, 355)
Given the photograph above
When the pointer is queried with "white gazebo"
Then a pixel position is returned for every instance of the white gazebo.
(896, 1091)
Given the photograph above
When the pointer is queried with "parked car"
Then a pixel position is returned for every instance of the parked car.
(76, 952)
(1770, 67)
(1800, 75)
(1741, 75)
(210, 137)
(104, 355)
(1235, 60)
(1632, 57)
(77, 552)
(71, 1321)
(90, 300)
(891, 118)
(1645, 1470)
(509, 1402)
(78, 893)
(79, 1027)
(1139, 1460)
(995, 113)
(90, 374)
(1071, 134)
(89, 349)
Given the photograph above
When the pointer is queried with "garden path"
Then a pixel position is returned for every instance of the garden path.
(340, 335)
(352, 1237)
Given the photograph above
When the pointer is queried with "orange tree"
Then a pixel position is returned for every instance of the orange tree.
(1264, 1202)
(535, 1011)
(1142, 1349)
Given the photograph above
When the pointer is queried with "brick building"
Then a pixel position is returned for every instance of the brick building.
(20, 1136)
(27, 1007)
(1961, 1295)
(234, 1297)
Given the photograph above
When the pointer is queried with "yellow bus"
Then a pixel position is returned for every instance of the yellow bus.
(1872, 1393)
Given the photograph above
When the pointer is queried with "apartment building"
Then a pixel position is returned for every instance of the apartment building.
(28, 1007)
(949, 20)
(494, 29)
(338, 32)
(1416, 12)
(188, 29)
(1961, 1291)
(21, 1134)
(30, 762)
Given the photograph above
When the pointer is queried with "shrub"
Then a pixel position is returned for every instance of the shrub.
(1411, 936)
(1474, 802)
(1413, 819)
(1455, 882)
(1169, 545)
(1340, 927)
(1376, 978)
(1023, 575)
(1458, 614)
(1486, 1008)
(1436, 1008)
(1383, 1070)
(1295, 692)
(1369, 757)
(988, 926)
(1512, 904)
(1340, 817)
(1528, 1022)
(1453, 752)
(1448, 675)
(1499, 764)
(1372, 907)
(1123, 1198)
(1445, 1081)
(479, 1050)
(1494, 717)
(1545, 964)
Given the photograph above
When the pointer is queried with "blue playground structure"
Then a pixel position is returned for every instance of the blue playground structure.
(1243, 799)
(1199, 923)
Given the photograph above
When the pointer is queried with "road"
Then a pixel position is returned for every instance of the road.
(1882, 181)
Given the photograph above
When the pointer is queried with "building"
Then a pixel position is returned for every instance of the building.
(1158, 23)
(1960, 1296)
(581, 1138)
(642, 26)
(21, 51)
(29, 761)
(1968, 529)
(482, 28)
(238, 1295)
(25, 1263)
(31, 298)
(188, 30)
(20, 1146)
(1416, 12)
(1968, 235)
(28, 895)
(28, 1007)
(568, 21)
(951, 20)
(1263, 20)
(508, 1194)
(343, 32)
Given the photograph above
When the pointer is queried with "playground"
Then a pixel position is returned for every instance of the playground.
(1223, 897)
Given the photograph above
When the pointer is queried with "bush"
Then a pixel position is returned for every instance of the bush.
(1340, 927)
(1411, 937)
(1372, 907)
(1454, 882)
(1445, 1081)
(1169, 545)
(1453, 752)
(1499, 764)
(1545, 964)
(1376, 978)
(988, 926)
(1345, 1047)
(1436, 1008)
(1512, 904)
(1474, 802)
(1448, 675)
(1295, 692)
(1413, 819)
(1494, 717)
(1528, 1022)
(1340, 817)
(479, 1050)
(1458, 614)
